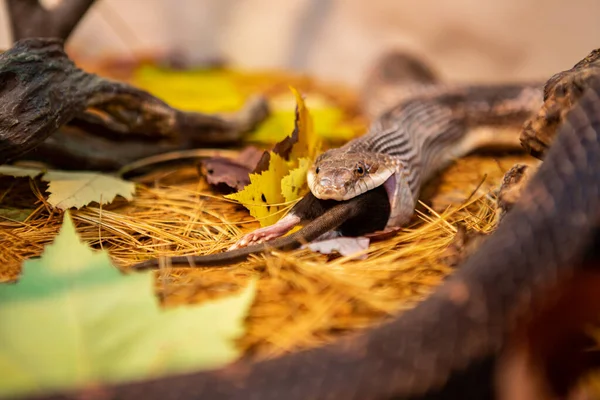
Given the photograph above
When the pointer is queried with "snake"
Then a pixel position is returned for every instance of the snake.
(403, 149)
(454, 343)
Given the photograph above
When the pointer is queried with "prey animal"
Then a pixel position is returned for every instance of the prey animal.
(403, 149)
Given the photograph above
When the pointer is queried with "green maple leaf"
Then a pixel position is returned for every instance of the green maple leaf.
(73, 320)
(14, 213)
(76, 189)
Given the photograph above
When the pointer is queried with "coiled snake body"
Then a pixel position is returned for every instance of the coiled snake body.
(454, 343)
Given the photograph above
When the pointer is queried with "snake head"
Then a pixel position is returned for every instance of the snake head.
(338, 175)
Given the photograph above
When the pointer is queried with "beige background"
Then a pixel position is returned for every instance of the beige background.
(468, 40)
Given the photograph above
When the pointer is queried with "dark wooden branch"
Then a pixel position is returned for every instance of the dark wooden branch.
(560, 93)
(84, 144)
(28, 18)
(72, 148)
(41, 90)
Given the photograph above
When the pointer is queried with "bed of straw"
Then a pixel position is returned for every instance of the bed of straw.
(304, 299)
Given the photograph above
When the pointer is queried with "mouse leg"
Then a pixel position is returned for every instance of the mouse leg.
(307, 209)
(280, 228)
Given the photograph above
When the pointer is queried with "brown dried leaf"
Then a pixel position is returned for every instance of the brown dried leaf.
(249, 157)
(230, 175)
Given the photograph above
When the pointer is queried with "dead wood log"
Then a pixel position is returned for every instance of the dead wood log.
(29, 18)
(560, 93)
(41, 90)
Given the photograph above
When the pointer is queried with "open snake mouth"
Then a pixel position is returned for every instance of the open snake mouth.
(340, 185)
(390, 187)
(342, 175)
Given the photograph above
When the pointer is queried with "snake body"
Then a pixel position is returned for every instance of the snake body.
(403, 149)
(411, 142)
(451, 344)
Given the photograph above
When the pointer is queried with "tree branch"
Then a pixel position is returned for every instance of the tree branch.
(28, 18)
(561, 92)
(41, 90)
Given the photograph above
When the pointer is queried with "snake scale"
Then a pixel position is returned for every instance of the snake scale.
(454, 343)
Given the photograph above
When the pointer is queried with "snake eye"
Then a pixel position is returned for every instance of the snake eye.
(317, 170)
(360, 170)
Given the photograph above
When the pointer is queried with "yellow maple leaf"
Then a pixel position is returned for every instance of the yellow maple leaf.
(293, 185)
(284, 182)
(262, 196)
(226, 90)
(309, 142)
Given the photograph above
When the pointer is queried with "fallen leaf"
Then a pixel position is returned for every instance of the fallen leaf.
(346, 246)
(263, 196)
(221, 90)
(308, 142)
(284, 181)
(76, 189)
(303, 142)
(249, 157)
(226, 173)
(73, 320)
(330, 122)
(15, 214)
(282, 148)
(293, 185)
(205, 90)
(19, 172)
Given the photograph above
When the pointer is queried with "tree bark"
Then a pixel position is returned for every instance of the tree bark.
(561, 92)
(41, 90)
(28, 18)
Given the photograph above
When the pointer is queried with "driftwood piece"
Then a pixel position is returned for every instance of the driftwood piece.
(561, 92)
(72, 148)
(29, 18)
(41, 90)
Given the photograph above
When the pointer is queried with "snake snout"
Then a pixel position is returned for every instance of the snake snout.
(334, 187)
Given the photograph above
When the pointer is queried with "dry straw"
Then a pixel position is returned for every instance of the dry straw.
(304, 299)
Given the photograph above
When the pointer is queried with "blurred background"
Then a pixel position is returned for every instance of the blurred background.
(337, 40)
